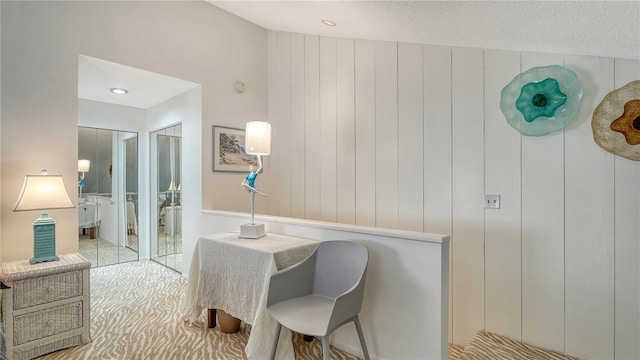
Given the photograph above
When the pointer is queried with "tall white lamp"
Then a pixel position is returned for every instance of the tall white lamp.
(257, 142)
(83, 167)
(43, 192)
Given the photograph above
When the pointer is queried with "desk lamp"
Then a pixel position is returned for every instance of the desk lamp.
(83, 166)
(257, 142)
(43, 192)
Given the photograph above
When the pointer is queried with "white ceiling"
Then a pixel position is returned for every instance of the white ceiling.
(608, 28)
(601, 28)
(96, 77)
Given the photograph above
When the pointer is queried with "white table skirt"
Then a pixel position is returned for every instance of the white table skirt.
(132, 220)
(88, 215)
(173, 220)
(233, 275)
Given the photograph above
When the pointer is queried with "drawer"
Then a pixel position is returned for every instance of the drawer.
(46, 289)
(40, 324)
(46, 346)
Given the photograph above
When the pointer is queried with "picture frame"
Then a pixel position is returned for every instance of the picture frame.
(228, 150)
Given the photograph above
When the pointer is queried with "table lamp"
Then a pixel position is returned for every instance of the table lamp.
(83, 166)
(43, 192)
(257, 141)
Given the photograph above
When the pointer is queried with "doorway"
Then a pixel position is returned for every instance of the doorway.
(107, 196)
(146, 102)
(166, 183)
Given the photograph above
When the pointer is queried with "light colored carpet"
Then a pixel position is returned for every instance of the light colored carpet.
(101, 252)
(135, 315)
(169, 251)
(169, 244)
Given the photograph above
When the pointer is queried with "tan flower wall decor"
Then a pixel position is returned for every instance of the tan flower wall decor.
(616, 122)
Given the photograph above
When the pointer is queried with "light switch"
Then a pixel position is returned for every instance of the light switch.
(491, 201)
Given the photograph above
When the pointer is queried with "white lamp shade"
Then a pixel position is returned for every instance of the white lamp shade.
(257, 138)
(84, 165)
(43, 192)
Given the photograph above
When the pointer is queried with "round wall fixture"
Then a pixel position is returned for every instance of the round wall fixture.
(239, 86)
(542, 100)
(616, 122)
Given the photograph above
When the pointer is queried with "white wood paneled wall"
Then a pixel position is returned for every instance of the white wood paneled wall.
(409, 136)
(542, 230)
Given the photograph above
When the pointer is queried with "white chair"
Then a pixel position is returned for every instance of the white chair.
(321, 293)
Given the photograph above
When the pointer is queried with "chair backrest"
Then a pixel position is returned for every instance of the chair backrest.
(339, 266)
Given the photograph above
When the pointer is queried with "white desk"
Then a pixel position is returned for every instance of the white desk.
(233, 274)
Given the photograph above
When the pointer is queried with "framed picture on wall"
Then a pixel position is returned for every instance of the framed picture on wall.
(228, 150)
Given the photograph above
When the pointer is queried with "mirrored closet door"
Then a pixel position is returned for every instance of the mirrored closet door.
(107, 195)
(166, 176)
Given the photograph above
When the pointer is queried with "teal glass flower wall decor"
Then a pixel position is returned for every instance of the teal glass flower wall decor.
(542, 100)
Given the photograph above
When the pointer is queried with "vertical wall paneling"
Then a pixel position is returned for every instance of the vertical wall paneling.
(386, 102)
(328, 198)
(502, 176)
(312, 126)
(284, 124)
(365, 139)
(627, 233)
(271, 161)
(345, 132)
(437, 139)
(298, 163)
(437, 148)
(543, 231)
(410, 135)
(589, 222)
(468, 189)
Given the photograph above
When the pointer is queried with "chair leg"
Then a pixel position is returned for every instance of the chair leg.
(275, 342)
(361, 336)
(326, 353)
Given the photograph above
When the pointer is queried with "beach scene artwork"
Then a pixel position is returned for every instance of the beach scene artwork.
(229, 152)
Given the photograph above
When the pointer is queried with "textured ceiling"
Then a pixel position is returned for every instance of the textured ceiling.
(601, 28)
(609, 29)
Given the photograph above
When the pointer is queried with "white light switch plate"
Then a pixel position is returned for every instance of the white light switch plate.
(491, 201)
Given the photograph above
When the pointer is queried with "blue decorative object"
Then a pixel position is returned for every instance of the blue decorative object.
(251, 178)
(42, 192)
(44, 239)
(257, 141)
(542, 100)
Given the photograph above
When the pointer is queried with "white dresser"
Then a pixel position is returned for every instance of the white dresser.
(47, 307)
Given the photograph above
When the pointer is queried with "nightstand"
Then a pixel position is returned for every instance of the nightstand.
(47, 307)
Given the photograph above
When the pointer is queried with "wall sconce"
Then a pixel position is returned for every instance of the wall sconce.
(83, 167)
(257, 142)
(43, 192)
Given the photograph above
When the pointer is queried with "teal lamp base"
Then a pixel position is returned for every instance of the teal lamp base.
(44, 239)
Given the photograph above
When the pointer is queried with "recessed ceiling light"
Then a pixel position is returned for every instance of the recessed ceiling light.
(328, 23)
(119, 91)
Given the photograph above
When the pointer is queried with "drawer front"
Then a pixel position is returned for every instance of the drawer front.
(40, 324)
(46, 289)
(46, 347)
